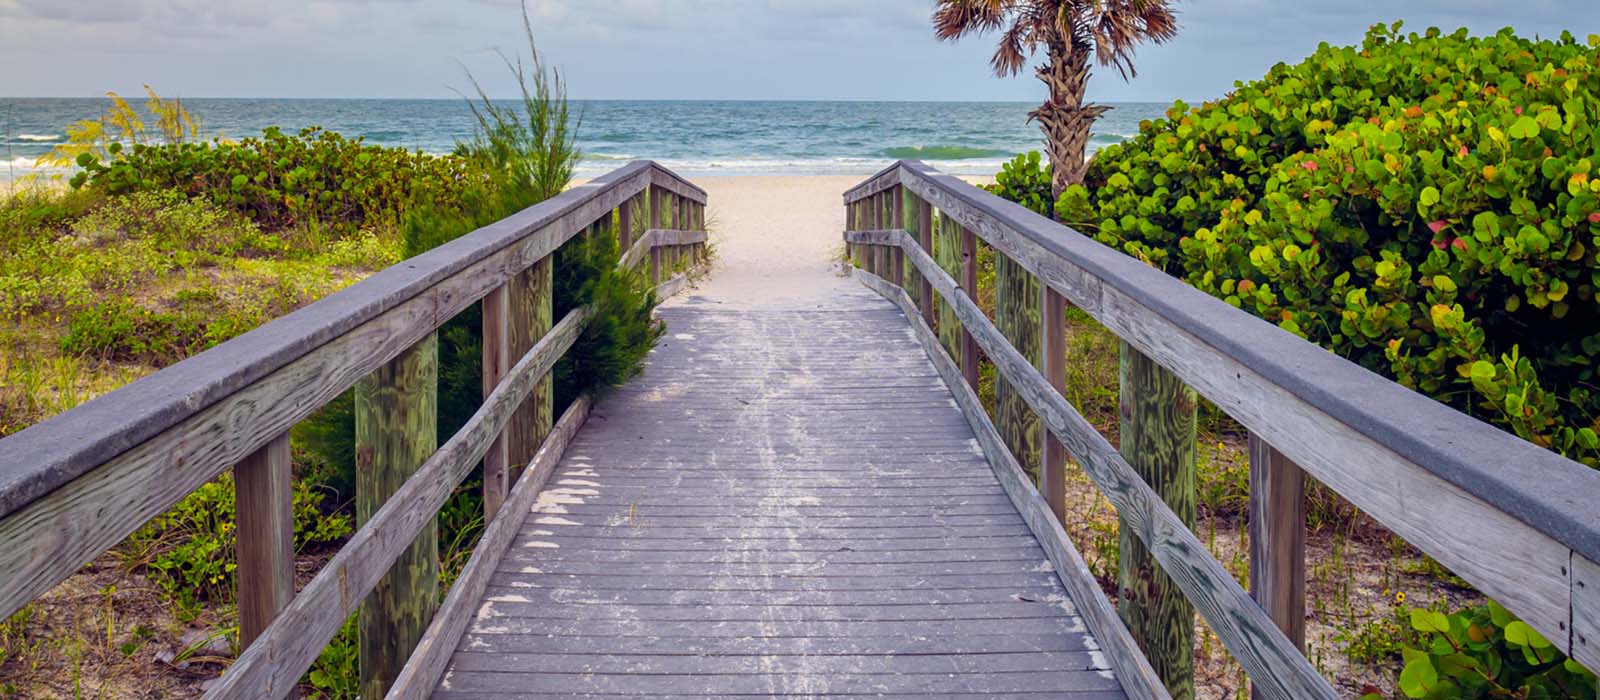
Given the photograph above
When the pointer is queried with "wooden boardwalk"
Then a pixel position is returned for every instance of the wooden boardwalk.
(787, 504)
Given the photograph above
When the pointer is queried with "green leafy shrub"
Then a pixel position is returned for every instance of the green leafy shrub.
(197, 562)
(1486, 652)
(1026, 181)
(279, 179)
(1424, 205)
(118, 329)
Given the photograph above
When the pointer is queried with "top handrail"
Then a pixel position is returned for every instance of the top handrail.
(47, 455)
(1546, 491)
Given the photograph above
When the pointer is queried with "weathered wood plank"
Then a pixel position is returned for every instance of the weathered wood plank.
(1138, 678)
(1244, 629)
(530, 307)
(1017, 314)
(496, 362)
(1278, 539)
(970, 360)
(432, 652)
(802, 531)
(296, 637)
(1053, 357)
(1376, 443)
(396, 419)
(264, 498)
(1157, 430)
(51, 453)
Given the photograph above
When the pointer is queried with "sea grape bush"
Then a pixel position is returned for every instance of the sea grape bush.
(1426, 205)
(1485, 652)
(279, 180)
(1027, 182)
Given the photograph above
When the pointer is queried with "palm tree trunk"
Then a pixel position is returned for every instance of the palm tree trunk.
(1065, 118)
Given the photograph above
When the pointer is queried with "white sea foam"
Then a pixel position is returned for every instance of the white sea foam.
(39, 138)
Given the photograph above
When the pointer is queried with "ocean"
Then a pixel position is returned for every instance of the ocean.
(695, 138)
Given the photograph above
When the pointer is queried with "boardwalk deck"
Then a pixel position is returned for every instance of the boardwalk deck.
(787, 504)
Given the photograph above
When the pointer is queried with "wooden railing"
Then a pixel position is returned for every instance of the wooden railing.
(1516, 521)
(75, 485)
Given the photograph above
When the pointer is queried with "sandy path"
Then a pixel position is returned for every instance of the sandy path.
(777, 240)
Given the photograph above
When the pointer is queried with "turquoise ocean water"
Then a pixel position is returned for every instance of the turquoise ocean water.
(695, 138)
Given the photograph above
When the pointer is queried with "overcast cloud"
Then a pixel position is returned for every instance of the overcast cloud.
(648, 49)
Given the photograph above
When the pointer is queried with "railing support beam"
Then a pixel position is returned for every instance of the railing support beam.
(1158, 440)
(969, 285)
(1053, 351)
(396, 431)
(264, 498)
(1278, 540)
(496, 363)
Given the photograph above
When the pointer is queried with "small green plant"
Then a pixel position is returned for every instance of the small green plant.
(196, 560)
(1486, 652)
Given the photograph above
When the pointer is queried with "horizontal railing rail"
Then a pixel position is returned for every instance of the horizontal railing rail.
(75, 485)
(1513, 519)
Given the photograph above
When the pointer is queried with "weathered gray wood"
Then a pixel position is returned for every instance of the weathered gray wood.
(264, 502)
(1583, 636)
(676, 538)
(1138, 678)
(427, 662)
(396, 418)
(530, 307)
(1053, 360)
(969, 282)
(657, 216)
(1158, 431)
(1508, 532)
(49, 454)
(1278, 539)
(1016, 313)
(496, 362)
(214, 409)
(670, 288)
(296, 637)
(1261, 648)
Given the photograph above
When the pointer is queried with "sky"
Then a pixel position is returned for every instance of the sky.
(657, 49)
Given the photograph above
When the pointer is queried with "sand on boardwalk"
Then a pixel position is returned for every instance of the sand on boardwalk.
(778, 240)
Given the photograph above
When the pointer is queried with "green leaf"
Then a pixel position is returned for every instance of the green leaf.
(1522, 634)
(1429, 196)
(1424, 620)
(1418, 678)
(1525, 127)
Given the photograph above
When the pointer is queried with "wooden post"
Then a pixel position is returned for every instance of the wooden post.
(947, 252)
(529, 317)
(396, 424)
(1158, 441)
(264, 502)
(1278, 539)
(496, 363)
(655, 223)
(969, 284)
(895, 253)
(1053, 351)
(1017, 314)
(625, 226)
(925, 238)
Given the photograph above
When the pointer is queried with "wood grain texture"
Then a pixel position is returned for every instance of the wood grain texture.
(427, 662)
(969, 281)
(1381, 446)
(530, 305)
(396, 417)
(264, 502)
(1017, 315)
(1243, 627)
(659, 542)
(1053, 357)
(1157, 429)
(1138, 678)
(51, 453)
(1277, 523)
(297, 636)
(947, 250)
(496, 362)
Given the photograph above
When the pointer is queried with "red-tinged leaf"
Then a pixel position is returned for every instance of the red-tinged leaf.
(1459, 244)
(1437, 226)
(1594, 217)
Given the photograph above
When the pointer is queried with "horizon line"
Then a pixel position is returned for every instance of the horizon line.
(589, 99)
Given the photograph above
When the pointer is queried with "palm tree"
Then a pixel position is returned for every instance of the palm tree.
(1069, 31)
